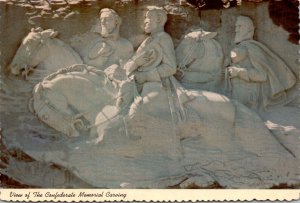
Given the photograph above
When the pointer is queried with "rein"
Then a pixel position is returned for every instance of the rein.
(183, 64)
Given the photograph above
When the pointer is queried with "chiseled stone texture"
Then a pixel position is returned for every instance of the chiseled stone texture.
(249, 159)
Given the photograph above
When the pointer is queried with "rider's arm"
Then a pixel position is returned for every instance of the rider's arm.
(168, 65)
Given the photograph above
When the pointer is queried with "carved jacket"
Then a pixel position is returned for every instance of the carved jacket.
(275, 76)
(105, 52)
(164, 63)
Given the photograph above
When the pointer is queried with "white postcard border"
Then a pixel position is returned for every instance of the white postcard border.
(147, 195)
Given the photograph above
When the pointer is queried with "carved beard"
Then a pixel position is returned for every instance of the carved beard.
(238, 38)
(242, 36)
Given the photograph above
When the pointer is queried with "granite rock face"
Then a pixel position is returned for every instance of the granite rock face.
(83, 69)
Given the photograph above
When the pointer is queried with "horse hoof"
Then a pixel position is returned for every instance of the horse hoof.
(75, 133)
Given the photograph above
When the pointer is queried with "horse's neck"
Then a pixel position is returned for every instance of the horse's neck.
(59, 56)
(212, 48)
(211, 58)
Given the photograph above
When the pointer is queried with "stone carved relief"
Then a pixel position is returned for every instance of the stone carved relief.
(54, 96)
(41, 49)
(175, 119)
(200, 61)
(110, 48)
(257, 77)
(159, 134)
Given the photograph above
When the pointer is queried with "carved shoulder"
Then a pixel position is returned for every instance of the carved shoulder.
(165, 38)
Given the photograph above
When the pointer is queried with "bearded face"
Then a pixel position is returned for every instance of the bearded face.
(243, 31)
(239, 32)
(108, 24)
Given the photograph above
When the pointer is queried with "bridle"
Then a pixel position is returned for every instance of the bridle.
(183, 66)
(26, 60)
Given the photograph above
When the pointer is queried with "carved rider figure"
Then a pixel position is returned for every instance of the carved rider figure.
(159, 98)
(110, 48)
(156, 51)
(258, 78)
(154, 63)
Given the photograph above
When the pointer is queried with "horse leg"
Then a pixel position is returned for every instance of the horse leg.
(125, 94)
(61, 105)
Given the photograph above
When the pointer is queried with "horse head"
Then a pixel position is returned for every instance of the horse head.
(200, 60)
(32, 51)
(192, 47)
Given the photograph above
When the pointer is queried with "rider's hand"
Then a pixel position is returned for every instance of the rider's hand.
(142, 59)
(115, 73)
(234, 71)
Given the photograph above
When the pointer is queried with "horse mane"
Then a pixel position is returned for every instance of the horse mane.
(198, 45)
(219, 52)
(190, 47)
(67, 47)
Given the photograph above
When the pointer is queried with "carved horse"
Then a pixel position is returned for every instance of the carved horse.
(41, 50)
(38, 55)
(70, 99)
(80, 97)
(200, 60)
